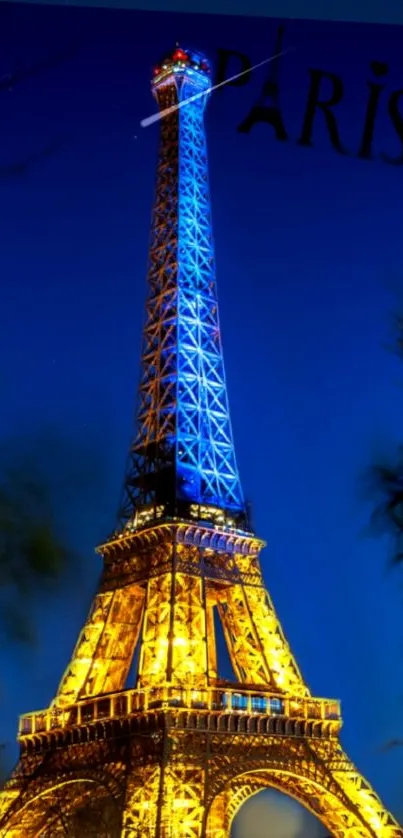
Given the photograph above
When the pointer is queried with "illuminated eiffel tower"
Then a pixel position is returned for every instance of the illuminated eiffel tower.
(176, 753)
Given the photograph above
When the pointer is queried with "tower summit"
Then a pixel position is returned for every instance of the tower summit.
(143, 738)
(183, 456)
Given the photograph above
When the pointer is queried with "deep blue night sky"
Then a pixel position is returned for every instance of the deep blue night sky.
(309, 245)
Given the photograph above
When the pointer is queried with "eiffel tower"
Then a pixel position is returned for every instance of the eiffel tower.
(175, 753)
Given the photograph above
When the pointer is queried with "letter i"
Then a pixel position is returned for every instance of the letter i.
(379, 69)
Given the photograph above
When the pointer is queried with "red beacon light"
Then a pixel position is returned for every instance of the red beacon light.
(156, 71)
(179, 55)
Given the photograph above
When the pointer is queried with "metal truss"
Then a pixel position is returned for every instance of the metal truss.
(175, 754)
(184, 449)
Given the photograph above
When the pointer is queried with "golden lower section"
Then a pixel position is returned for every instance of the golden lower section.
(177, 756)
(172, 774)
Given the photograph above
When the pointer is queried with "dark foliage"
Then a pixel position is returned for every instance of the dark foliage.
(32, 555)
(384, 488)
(42, 480)
(397, 335)
(384, 478)
(44, 477)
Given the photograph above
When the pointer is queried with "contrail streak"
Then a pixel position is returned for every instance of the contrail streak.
(160, 115)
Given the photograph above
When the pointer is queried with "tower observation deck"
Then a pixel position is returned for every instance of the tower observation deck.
(143, 738)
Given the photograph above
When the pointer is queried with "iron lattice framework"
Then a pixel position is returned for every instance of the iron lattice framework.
(184, 449)
(176, 755)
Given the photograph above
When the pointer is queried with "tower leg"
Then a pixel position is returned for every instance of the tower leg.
(103, 654)
(317, 774)
(141, 809)
(165, 802)
(259, 652)
(174, 643)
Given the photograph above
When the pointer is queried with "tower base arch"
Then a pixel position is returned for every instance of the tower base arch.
(355, 815)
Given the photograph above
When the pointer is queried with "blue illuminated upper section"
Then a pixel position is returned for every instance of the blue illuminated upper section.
(183, 453)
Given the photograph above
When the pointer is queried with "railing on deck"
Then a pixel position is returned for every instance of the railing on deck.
(226, 700)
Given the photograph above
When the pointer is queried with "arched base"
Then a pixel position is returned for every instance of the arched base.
(341, 819)
(75, 806)
(187, 783)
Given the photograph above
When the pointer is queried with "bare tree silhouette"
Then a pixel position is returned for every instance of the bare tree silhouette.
(23, 167)
(10, 80)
